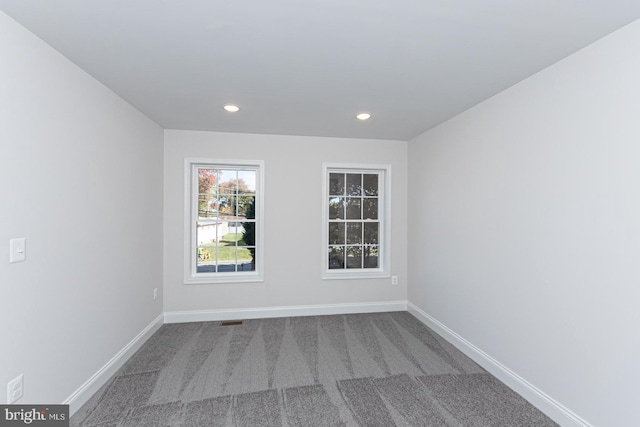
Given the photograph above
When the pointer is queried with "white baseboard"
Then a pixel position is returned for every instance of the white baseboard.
(93, 384)
(292, 311)
(552, 408)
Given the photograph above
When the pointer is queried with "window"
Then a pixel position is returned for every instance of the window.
(355, 224)
(224, 221)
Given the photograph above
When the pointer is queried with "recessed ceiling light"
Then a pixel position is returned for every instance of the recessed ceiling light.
(363, 116)
(232, 108)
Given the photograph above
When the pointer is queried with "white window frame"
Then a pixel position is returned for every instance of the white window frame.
(191, 217)
(384, 213)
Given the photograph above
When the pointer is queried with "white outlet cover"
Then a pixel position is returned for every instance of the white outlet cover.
(15, 389)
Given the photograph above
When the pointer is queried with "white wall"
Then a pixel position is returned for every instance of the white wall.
(293, 195)
(73, 157)
(525, 236)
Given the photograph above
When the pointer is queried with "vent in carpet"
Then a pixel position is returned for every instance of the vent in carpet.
(231, 323)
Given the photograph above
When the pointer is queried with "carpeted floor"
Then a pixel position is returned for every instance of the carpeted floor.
(380, 369)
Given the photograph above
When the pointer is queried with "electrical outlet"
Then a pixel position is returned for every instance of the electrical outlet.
(15, 389)
(155, 293)
(394, 280)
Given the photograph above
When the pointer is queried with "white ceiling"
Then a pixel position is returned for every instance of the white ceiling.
(307, 67)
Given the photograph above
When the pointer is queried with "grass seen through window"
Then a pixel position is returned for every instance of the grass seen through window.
(226, 249)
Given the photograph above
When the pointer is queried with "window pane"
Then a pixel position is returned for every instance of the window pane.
(370, 209)
(371, 258)
(353, 208)
(226, 267)
(226, 201)
(206, 258)
(228, 190)
(371, 233)
(228, 179)
(336, 208)
(218, 252)
(207, 180)
(354, 184)
(230, 237)
(206, 232)
(370, 184)
(247, 182)
(247, 232)
(336, 184)
(246, 207)
(204, 254)
(244, 255)
(234, 258)
(336, 233)
(206, 206)
(336, 257)
(238, 229)
(354, 257)
(354, 232)
(227, 254)
(246, 265)
(208, 268)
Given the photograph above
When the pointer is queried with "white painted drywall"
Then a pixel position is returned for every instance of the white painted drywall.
(81, 179)
(525, 228)
(293, 212)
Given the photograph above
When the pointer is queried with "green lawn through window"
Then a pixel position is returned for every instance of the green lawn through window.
(227, 249)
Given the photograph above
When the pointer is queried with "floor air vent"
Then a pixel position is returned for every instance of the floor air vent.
(231, 323)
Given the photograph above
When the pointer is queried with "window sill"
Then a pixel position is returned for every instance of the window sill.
(377, 274)
(224, 279)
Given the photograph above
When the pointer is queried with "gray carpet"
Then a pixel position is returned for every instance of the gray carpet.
(380, 369)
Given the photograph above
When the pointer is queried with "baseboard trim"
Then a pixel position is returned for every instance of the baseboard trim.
(552, 408)
(93, 384)
(291, 311)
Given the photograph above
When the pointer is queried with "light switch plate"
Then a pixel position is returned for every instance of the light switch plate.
(17, 249)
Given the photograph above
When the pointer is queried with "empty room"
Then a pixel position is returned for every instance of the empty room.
(322, 213)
